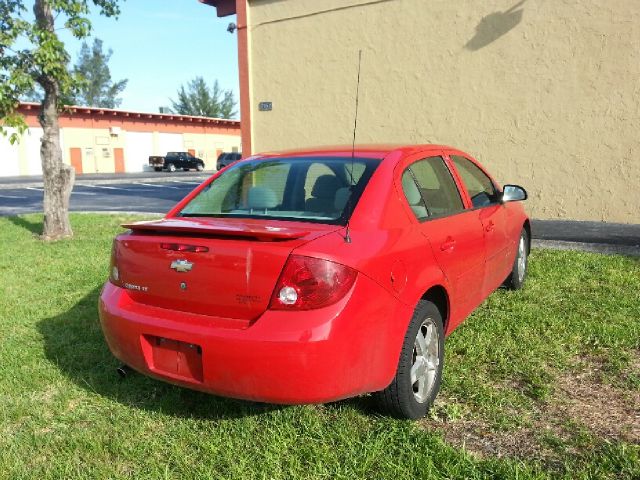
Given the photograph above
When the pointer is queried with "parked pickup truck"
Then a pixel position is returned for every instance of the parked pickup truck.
(172, 161)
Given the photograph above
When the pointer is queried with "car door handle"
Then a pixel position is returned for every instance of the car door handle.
(490, 226)
(448, 245)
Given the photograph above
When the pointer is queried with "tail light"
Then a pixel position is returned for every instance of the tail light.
(307, 283)
(114, 273)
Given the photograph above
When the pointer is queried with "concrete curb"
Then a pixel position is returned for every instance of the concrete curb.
(605, 248)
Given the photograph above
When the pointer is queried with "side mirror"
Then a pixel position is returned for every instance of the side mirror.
(513, 193)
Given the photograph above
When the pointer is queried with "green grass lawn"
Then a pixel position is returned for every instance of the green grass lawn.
(539, 383)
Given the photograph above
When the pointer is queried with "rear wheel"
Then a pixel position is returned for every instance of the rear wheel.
(157, 169)
(419, 373)
(171, 167)
(518, 275)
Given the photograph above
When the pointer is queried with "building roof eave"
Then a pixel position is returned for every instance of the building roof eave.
(224, 8)
(159, 117)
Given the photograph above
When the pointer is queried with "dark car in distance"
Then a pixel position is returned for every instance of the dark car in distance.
(172, 161)
(227, 158)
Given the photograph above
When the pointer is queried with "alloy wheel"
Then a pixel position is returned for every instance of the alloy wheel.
(425, 360)
(522, 259)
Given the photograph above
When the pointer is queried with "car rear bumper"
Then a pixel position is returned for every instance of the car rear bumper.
(343, 350)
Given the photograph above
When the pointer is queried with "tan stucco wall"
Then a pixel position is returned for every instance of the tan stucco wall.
(96, 145)
(546, 95)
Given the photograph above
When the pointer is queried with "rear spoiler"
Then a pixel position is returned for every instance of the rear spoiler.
(216, 227)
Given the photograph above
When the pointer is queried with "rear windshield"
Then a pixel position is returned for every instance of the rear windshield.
(314, 189)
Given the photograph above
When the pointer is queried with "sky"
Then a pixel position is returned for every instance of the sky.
(159, 45)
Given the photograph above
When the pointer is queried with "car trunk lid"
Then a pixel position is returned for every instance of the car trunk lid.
(220, 267)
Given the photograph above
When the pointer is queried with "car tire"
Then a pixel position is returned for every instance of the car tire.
(171, 167)
(409, 399)
(200, 167)
(518, 275)
(157, 169)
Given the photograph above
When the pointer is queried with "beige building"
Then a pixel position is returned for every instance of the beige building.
(98, 140)
(545, 93)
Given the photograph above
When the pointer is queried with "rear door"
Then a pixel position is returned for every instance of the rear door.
(454, 234)
(484, 202)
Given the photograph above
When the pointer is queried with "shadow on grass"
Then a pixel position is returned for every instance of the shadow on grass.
(74, 342)
(634, 258)
(33, 227)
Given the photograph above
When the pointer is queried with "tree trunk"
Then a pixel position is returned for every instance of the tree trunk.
(56, 176)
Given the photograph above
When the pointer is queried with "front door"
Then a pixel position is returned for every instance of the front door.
(118, 159)
(76, 159)
(485, 204)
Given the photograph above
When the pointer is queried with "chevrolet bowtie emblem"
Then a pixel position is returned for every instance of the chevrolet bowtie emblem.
(181, 265)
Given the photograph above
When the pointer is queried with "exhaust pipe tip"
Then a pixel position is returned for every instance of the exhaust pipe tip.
(123, 370)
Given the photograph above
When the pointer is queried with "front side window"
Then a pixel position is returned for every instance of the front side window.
(314, 189)
(436, 190)
(480, 187)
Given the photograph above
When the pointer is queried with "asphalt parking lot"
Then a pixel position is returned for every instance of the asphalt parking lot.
(147, 194)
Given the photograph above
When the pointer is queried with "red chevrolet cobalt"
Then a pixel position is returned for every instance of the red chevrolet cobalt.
(317, 275)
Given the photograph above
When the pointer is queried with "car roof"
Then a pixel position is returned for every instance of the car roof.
(368, 151)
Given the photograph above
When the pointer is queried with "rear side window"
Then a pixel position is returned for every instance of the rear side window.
(412, 193)
(435, 186)
(480, 187)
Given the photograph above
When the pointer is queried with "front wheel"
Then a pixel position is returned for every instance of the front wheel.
(200, 167)
(417, 380)
(518, 275)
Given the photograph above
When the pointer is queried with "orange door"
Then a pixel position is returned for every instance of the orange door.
(192, 152)
(76, 159)
(118, 157)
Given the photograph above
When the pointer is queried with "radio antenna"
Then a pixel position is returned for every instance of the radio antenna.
(347, 236)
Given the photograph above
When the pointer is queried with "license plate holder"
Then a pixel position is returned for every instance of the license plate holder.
(176, 358)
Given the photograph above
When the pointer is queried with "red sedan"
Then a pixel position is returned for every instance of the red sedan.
(317, 275)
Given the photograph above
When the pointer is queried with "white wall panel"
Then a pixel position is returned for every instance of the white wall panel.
(32, 150)
(9, 158)
(170, 142)
(139, 146)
